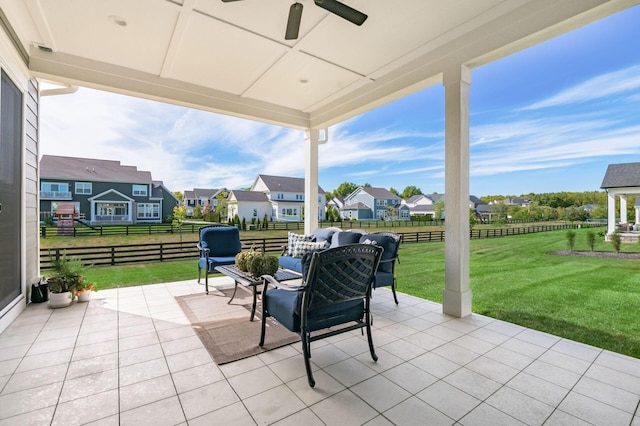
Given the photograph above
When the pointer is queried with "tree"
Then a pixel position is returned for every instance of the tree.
(438, 210)
(178, 195)
(410, 191)
(473, 218)
(197, 212)
(344, 189)
(179, 216)
(392, 213)
(221, 207)
(394, 191)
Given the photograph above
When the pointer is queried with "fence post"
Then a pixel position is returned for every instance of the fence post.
(101, 230)
(43, 231)
(161, 252)
(113, 256)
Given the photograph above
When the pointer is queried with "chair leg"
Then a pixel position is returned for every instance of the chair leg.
(263, 326)
(369, 338)
(199, 270)
(206, 281)
(393, 290)
(306, 351)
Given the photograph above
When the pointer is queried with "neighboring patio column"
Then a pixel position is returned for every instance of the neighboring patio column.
(637, 211)
(312, 140)
(611, 212)
(623, 209)
(456, 297)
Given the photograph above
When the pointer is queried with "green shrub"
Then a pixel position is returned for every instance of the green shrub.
(616, 240)
(571, 239)
(591, 239)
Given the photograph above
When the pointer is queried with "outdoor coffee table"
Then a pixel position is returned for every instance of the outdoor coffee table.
(248, 280)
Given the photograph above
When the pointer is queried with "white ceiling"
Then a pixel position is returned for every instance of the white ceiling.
(232, 57)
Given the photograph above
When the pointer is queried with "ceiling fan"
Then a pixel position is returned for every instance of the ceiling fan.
(333, 6)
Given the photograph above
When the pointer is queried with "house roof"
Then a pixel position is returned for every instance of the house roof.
(379, 193)
(255, 196)
(88, 169)
(356, 206)
(622, 175)
(284, 184)
(232, 57)
(205, 193)
(423, 208)
(414, 198)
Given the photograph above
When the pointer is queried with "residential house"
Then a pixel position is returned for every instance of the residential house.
(367, 203)
(423, 205)
(248, 205)
(103, 191)
(201, 197)
(286, 197)
(522, 202)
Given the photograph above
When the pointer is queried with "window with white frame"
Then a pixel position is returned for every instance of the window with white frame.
(139, 190)
(381, 213)
(148, 211)
(381, 202)
(54, 187)
(84, 188)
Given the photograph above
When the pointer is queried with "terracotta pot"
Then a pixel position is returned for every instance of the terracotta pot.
(60, 300)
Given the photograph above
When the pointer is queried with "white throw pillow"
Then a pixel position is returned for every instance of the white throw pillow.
(292, 238)
(301, 248)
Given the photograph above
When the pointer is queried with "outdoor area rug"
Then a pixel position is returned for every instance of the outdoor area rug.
(225, 330)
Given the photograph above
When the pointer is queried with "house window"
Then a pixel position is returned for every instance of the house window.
(84, 188)
(148, 211)
(54, 187)
(139, 190)
(255, 212)
(381, 202)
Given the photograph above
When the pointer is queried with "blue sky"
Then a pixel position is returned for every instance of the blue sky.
(547, 119)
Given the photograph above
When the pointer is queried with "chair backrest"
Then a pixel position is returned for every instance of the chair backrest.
(222, 241)
(390, 241)
(339, 274)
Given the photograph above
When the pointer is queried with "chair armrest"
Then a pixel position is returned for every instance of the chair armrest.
(203, 251)
(284, 250)
(271, 280)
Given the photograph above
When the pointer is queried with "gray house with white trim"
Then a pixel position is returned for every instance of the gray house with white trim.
(103, 191)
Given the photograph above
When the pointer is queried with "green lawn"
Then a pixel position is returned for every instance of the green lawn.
(591, 300)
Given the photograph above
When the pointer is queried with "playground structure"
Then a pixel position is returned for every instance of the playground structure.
(66, 214)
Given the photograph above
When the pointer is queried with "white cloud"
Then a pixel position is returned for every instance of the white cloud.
(613, 83)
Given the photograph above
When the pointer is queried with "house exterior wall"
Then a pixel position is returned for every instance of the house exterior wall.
(83, 200)
(248, 210)
(12, 64)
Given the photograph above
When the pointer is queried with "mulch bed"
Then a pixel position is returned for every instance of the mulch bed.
(601, 254)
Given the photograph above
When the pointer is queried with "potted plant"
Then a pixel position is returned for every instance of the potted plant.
(84, 290)
(67, 275)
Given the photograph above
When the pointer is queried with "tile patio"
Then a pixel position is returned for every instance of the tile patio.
(129, 357)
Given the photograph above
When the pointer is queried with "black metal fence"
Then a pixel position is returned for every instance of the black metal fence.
(162, 252)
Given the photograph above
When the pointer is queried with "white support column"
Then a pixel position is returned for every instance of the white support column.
(456, 297)
(312, 140)
(611, 213)
(637, 214)
(623, 209)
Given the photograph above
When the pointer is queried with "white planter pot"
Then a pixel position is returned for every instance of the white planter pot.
(60, 300)
(84, 296)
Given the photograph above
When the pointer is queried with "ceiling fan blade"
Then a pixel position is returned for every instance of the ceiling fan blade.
(293, 23)
(342, 10)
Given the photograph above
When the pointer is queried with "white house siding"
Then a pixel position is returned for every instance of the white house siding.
(32, 219)
(245, 210)
(13, 65)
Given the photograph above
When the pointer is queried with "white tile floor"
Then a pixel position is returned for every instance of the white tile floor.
(129, 357)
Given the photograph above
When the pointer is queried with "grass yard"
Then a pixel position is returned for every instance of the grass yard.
(590, 300)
